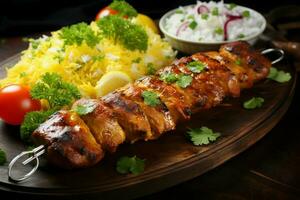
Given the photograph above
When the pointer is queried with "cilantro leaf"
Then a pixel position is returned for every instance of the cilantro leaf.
(279, 76)
(77, 34)
(255, 102)
(2, 157)
(215, 11)
(57, 92)
(193, 25)
(129, 35)
(203, 135)
(168, 77)
(123, 8)
(246, 13)
(85, 108)
(184, 80)
(132, 165)
(31, 122)
(151, 98)
(196, 66)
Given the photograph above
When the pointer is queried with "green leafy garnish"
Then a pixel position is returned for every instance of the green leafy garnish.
(85, 108)
(255, 102)
(34, 43)
(246, 13)
(193, 25)
(184, 80)
(215, 11)
(279, 76)
(150, 69)
(238, 62)
(129, 35)
(232, 6)
(219, 31)
(151, 98)
(2, 157)
(168, 77)
(204, 16)
(79, 33)
(132, 165)
(123, 8)
(179, 11)
(31, 122)
(196, 66)
(203, 135)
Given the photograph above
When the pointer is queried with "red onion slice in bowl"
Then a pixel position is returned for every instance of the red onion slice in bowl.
(202, 9)
(182, 27)
(230, 18)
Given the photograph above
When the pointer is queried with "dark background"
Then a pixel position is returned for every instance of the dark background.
(21, 17)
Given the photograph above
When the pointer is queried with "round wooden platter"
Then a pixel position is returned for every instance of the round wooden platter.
(170, 160)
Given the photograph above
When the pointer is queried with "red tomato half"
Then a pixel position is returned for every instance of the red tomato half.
(105, 12)
(15, 102)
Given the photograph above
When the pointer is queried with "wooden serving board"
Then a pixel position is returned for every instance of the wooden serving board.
(170, 160)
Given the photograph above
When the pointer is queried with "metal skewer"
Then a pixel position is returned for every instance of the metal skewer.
(270, 50)
(35, 153)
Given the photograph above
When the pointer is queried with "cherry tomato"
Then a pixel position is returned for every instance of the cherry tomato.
(15, 102)
(105, 12)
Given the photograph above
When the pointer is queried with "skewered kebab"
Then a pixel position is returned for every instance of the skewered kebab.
(124, 116)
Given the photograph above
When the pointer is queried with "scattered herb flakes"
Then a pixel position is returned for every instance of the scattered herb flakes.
(238, 62)
(85, 108)
(179, 11)
(193, 25)
(255, 102)
(150, 69)
(184, 80)
(79, 33)
(123, 8)
(279, 76)
(203, 135)
(215, 11)
(132, 165)
(246, 13)
(219, 31)
(34, 43)
(204, 16)
(232, 6)
(191, 17)
(196, 66)
(131, 36)
(151, 98)
(2, 157)
(168, 77)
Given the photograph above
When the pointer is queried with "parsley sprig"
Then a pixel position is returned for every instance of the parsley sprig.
(203, 135)
(123, 8)
(132, 165)
(129, 35)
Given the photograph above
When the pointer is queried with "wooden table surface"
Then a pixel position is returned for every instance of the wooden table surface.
(270, 169)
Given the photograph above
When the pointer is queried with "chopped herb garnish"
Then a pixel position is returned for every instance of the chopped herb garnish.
(32, 121)
(241, 35)
(129, 35)
(150, 69)
(168, 77)
(204, 16)
(123, 8)
(184, 80)
(238, 62)
(137, 60)
(79, 33)
(151, 98)
(232, 6)
(215, 11)
(219, 31)
(53, 89)
(196, 66)
(255, 102)
(193, 25)
(86, 108)
(132, 165)
(191, 17)
(179, 11)
(279, 76)
(246, 13)
(2, 157)
(34, 43)
(203, 135)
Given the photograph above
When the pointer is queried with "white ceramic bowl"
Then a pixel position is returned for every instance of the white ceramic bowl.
(190, 47)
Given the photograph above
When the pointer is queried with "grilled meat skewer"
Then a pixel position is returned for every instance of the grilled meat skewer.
(123, 116)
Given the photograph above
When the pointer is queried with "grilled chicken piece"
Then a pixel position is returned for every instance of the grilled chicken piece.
(69, 141)
(103, 124)
(123, 116)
